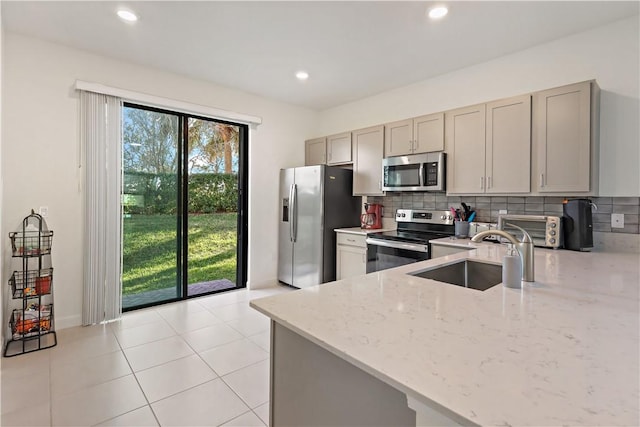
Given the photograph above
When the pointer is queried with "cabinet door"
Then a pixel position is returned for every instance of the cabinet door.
(562, 138)
(508, 144)
(315, 151)
(339, 149)
(465, 142)
(398, 138)
(367, 161)
(350, 261)
(428, 133)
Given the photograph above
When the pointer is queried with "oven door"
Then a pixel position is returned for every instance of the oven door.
(384, 254)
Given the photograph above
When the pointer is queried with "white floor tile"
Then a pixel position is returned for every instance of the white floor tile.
(136, 318)
(209, 404)
(192, 321)
(25, 364)
(233, 356)
(248, 419)
(179, 309)
(250, 324)
(212, 336)
(142, 417)
(23, 392)
(78, 332)
(156, 353)
(98, 403)
(251, 383)
(232, 311)
(131, 337)
(83, 348)
(263, 339)
(34, 415)
(263, 412)
(173, 377)
(226, 298)
(67, 377)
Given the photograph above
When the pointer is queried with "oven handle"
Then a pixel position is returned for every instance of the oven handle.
(398, 245)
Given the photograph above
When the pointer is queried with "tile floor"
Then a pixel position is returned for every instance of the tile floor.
(201, 362)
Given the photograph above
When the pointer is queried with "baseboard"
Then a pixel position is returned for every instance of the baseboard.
(262, 284)
(68, 321)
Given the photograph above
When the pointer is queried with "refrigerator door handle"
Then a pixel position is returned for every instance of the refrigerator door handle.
(294, 211)
(291, 213)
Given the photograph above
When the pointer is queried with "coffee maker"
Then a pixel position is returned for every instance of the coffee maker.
(577, 224)
(372, 218)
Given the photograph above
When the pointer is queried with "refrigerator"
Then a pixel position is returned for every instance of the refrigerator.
(314, 200)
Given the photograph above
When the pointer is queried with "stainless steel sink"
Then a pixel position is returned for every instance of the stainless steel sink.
(470, 274)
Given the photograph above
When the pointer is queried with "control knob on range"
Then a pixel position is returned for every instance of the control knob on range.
(552, 240)
(553, 225)
(552, 232)
(443, 217)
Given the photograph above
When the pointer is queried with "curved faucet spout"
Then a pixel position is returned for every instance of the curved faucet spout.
(525, 249)
(481, 235)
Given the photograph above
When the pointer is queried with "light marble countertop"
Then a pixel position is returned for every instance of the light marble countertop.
(361, 231)
(561, 351)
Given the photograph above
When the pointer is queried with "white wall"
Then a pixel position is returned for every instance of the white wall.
(609, 54)
(40, 150)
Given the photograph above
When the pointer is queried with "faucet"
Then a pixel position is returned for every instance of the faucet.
(525, 248)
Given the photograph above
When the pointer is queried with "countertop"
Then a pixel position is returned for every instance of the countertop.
(563, 350)
(361, 231)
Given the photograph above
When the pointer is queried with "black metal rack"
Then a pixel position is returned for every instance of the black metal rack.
(32, 324)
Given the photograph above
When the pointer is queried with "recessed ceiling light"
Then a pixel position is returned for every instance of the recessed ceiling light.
(438, 12)
(127, 15)
(302, 75)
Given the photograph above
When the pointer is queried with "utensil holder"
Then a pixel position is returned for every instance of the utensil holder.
(461, 229)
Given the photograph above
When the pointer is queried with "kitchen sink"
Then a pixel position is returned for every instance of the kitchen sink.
(469, 274)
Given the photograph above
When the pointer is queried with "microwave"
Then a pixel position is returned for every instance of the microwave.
(416, 172)
(545, 231)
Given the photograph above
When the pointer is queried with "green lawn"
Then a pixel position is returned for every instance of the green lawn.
(149, 250)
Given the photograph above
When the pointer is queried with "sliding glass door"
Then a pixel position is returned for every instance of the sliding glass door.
(183, 206)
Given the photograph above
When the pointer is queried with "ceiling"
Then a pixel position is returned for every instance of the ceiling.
(350, 49)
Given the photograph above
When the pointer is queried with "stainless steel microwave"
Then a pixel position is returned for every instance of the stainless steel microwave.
(416, 172)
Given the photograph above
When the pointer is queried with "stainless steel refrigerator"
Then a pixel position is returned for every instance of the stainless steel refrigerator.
(314, 200)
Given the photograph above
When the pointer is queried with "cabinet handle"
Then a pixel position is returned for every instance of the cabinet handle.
(410, 146)
(364, 258)
(482, 182)
(488, 182)
(541, 180)
(380, 185)
(351, 240)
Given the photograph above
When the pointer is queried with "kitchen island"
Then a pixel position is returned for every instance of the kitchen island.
(564, 350)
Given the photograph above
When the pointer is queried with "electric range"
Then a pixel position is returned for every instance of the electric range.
(410, 241)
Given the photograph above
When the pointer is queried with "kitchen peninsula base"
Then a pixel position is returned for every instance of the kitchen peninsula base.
(312, 386)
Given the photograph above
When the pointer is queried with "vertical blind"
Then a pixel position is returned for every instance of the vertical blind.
(101, 135)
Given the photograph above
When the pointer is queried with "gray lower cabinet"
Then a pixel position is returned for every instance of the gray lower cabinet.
(311, 386)
(351, 255)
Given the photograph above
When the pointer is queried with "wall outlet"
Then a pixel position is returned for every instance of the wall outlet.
(502, 212)
(617, 220)
(43, 211)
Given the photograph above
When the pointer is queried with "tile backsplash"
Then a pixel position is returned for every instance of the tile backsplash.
(487, 207)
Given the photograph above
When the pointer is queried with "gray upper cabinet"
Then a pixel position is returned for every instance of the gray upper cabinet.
(339, 149)
(489, 147)
(418, 135)
(398, 138)
(565, 139)
(508, 146)
(428, 133)
(315, 152)
(368, 146)
(465, 144)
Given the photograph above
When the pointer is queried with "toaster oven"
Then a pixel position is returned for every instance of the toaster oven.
(545, 231)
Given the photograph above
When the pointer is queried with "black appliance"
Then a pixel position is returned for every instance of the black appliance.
(577, 224)
(409, 243)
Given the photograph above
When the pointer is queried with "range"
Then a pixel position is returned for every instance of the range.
(410, 241)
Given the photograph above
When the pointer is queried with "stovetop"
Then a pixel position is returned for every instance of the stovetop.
(419, 226)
